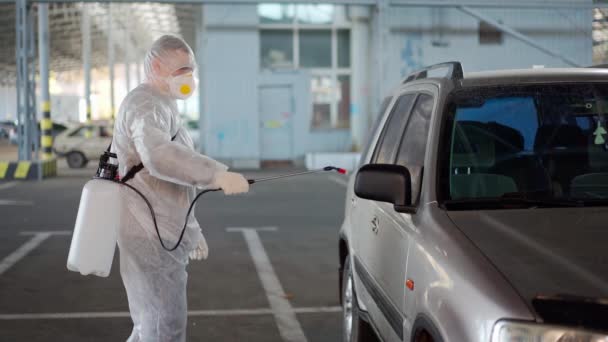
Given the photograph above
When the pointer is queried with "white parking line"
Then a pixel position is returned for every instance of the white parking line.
(284, 314)
(9, 202)
(8, 185)
(339, 180)
(26, 248)
(22, 251)
(6, 202)
(192, 313)
(52, 232)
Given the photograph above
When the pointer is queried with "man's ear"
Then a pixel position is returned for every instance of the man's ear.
(156, 66)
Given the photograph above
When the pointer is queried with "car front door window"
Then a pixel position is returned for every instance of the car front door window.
(413, 144)
(389, 140)
(372, 133)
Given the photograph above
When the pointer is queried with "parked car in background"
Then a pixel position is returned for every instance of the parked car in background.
(5, 129)
(82, 143)
(57, 129)
(13, 132)
(480, 211)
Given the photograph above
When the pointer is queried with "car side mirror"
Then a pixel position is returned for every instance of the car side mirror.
(386, 183)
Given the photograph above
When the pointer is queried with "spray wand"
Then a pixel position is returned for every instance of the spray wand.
(327, 168)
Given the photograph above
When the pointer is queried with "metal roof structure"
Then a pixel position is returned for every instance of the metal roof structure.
(87, 34)
(134, 27)
(136, 24)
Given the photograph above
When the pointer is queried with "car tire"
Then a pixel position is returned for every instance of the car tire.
(423, 336)
(354, 329)
(76, 160)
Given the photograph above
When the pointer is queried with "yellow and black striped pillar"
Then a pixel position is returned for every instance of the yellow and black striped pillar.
(27, 170)
(46, 126)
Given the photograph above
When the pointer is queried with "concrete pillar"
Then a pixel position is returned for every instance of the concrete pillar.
(111, 59)
(25, 109)
(360, 82)
(128, 69)
(138, 74)
(86, 61)
(46, 124)
(199, 46)
(381, 34)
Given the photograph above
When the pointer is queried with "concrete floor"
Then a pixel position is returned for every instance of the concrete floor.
(228, 298)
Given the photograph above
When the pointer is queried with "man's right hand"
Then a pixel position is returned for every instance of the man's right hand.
(232, 183)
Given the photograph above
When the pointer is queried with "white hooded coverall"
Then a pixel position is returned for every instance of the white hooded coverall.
(155, 279)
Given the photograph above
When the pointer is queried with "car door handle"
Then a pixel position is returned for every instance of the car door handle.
(375, 225)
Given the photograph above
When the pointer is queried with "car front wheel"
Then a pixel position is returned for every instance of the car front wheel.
(354, 328)
(76, 160)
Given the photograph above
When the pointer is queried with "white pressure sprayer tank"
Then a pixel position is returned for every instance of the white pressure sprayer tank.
(95, 233)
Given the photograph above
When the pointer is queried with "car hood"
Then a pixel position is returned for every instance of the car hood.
(557, 254)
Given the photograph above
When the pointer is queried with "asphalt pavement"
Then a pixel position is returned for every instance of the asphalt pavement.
(271, 274)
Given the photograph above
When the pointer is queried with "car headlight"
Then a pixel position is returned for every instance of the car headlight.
(505, 331)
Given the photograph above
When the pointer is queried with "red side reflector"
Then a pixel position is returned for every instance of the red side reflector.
(342, 171)
(410, 284)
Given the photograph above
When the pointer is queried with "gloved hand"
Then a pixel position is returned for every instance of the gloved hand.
(201, 251)
(232, 183)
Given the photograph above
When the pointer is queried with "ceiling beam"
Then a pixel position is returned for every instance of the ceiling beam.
(418, 3)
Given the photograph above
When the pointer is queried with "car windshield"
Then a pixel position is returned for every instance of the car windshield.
(537, 143)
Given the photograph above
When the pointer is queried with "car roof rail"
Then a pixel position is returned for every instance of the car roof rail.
(454, 71)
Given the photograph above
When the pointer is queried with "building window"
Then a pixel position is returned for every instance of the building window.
(313, 37)
(321, 88)
(343, 89)
(488, 34)
(344, 48)
(276, 13)
(315, 49)
(276, 48)
(315, 14)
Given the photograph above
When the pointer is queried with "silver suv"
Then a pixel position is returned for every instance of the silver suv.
(480, 212)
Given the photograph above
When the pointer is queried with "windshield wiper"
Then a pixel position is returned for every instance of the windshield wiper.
(513, 200)
(544, 197)
(591, 202)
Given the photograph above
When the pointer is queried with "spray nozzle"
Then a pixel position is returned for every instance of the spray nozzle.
(337, 169)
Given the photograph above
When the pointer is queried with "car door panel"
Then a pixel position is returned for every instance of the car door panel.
(365, 220)
(396, 230)
(394, 239)
(83, 139)
(362, 216)
(384, 314)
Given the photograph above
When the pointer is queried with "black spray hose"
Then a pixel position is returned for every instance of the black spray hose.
(251, 181)
(153, 214)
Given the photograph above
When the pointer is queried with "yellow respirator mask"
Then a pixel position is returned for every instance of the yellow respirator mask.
(182, 86)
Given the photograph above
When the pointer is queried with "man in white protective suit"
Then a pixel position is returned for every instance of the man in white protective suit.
(148, 130)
